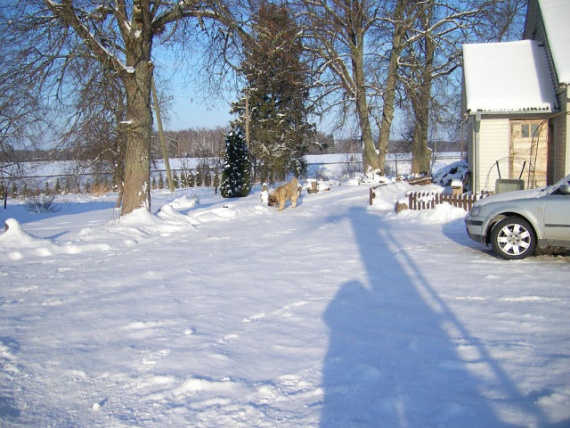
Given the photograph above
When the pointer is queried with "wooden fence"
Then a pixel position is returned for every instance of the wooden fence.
(428, 200)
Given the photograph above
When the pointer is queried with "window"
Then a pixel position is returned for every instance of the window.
(529, 130)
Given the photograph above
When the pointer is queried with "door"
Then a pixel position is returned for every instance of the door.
(557, 220)
(529, 147)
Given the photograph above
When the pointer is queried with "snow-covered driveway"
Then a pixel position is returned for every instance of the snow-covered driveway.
(227, 313)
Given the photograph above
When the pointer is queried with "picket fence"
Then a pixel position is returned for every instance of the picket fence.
(428, 200)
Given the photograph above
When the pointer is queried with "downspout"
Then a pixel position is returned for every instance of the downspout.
(476, 155)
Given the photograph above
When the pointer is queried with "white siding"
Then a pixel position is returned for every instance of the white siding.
(494, 136)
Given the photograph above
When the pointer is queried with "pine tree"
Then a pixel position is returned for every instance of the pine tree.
(236, 175)
(198, 178)
(277, 94)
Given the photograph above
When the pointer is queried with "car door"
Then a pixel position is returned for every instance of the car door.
(557, 219)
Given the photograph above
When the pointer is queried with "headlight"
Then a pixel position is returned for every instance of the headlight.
(475, 211)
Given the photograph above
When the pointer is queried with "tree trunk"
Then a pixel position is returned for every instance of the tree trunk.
(138, 136)
(369, 153)
(421, 154)
(138, 124)
(391, 82)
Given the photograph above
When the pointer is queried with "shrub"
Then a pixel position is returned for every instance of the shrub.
(40, 204)
(236, 176)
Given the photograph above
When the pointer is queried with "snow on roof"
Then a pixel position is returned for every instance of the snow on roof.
(556, 18)
(507, 77)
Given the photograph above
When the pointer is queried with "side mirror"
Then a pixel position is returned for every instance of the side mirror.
(564, 189)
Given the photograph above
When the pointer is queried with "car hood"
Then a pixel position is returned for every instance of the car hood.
(512, 196)
(522, 194)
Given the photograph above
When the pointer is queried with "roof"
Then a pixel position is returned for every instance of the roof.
(556, 17)
(507, 77)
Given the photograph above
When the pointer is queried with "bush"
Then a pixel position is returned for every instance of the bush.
(40, 204)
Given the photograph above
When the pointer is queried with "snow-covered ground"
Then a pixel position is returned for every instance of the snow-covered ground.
(226, 313)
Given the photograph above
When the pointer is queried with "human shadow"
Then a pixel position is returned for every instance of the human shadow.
(9, 412)
(397, 355)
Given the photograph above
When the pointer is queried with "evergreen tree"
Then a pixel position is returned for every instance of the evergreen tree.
(277, 94)
(236, 175)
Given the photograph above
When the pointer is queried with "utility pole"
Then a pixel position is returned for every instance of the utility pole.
(161, 137)
(247, 136)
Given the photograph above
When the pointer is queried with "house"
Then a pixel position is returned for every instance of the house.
(515, 98)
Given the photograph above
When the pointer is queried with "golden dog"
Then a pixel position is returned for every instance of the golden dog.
(285, 192)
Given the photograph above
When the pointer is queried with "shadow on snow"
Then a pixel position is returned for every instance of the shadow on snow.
(393, 358)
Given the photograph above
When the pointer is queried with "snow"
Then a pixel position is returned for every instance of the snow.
(214, 312)
(510, 76)
(556, 14)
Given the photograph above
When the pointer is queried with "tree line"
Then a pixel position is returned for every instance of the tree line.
(83, 72)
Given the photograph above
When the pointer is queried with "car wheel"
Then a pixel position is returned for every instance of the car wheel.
(513, 238)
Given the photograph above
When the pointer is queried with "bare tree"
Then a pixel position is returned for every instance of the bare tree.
(94, 139)
(20, 108)
(336, 34)
(433, 52)
(399, 23)
(371, 55)
(119, 35)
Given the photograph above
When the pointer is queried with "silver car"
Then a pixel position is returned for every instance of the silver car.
(515, 223)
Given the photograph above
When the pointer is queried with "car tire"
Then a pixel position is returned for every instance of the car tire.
(513, 238)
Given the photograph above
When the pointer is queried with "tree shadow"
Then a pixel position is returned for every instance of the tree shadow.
(61, 210)
(398, 357)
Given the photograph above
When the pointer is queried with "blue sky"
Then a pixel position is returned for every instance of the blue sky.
(188, 109)
(188, 112)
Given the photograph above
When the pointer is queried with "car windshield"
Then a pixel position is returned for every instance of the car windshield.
(565, 180)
